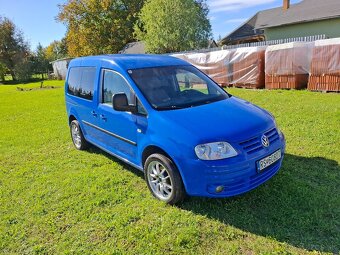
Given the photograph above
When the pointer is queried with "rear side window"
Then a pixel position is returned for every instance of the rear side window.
(81, 82)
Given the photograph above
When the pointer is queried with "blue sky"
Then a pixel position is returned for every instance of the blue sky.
(36, 18)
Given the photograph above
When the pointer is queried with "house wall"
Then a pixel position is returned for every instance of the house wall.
(328, 27)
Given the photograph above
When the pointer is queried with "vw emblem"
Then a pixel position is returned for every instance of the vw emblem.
(265, 141)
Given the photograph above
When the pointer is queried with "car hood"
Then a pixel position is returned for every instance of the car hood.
(231, 120)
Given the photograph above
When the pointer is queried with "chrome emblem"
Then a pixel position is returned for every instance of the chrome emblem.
(265, 141)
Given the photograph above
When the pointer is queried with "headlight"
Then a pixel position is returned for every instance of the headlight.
(213, 151)
(275, 123)
(277, 127)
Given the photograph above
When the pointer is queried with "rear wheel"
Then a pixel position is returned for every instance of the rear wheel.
(77, 136)
(163, 179)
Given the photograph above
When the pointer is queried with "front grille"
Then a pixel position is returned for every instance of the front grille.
(254, 144)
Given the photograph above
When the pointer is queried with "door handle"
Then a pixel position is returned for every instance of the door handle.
(102, 116)
(94, 114)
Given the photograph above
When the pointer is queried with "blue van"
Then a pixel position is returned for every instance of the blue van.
(165, 117)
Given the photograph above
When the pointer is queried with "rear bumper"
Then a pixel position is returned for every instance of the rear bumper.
(235, 175)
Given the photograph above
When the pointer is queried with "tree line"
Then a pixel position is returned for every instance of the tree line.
(16, 58)
(106, 26)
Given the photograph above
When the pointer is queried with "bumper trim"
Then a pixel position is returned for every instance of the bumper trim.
(243, 185)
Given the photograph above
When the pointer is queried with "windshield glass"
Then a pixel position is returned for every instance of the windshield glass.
(176, 87)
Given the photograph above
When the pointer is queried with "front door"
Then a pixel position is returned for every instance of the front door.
(118, 129)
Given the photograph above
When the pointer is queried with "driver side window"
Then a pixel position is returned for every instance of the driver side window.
(113, 84)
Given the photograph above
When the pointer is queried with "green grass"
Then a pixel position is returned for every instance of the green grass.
(34, 77)
(57, 200)
(8, 78)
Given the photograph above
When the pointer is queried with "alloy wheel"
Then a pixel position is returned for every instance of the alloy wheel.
(159, 180)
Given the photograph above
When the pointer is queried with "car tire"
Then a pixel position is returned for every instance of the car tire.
(163, 179)
(77, 136)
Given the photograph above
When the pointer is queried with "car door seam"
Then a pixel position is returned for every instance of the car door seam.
(110, 133)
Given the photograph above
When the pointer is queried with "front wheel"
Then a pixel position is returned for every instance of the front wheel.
(163, 179)
(77, 136)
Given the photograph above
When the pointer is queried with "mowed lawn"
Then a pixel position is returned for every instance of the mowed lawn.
(57, 200)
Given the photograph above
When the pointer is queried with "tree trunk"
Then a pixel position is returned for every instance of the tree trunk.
(13, 75)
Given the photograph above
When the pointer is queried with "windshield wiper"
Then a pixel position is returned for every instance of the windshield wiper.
(168, 107)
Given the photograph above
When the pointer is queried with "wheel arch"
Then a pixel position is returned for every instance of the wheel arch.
(71, 118)
(151, 149)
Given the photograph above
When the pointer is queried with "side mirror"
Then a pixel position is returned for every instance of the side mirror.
(120, 103)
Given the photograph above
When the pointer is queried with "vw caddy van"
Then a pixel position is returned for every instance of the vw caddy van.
(165, 117)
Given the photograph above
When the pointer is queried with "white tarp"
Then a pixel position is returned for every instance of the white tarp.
(215, 63)
(247, 65)
(288, 58)
(237, 66)
(326, 57)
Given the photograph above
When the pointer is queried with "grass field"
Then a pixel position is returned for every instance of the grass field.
(57, 200)
(9, 78)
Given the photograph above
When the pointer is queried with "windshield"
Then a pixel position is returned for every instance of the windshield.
(176, 87)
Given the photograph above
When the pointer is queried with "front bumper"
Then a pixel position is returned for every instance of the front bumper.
(235, 175)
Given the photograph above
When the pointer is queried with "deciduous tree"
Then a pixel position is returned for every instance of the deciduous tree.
(177, 25)
(98, 26)
(14, 50)
(56, 50)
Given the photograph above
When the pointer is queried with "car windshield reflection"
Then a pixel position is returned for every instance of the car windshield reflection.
(176, 87)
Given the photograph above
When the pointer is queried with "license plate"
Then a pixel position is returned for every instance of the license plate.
(268, 161)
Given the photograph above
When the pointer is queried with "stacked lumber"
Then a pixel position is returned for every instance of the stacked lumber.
(325, 66)
(248, 67)
(215, 64)
(287, 65)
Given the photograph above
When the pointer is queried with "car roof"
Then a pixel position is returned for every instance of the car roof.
(132, 61)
